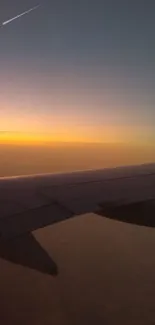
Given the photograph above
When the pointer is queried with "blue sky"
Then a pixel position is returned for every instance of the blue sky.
(78, 65)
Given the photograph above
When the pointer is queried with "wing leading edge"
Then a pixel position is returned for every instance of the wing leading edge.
(32, 202)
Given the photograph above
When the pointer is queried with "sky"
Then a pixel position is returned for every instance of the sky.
(78, 71)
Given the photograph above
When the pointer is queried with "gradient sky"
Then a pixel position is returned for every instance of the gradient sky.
(78, 70)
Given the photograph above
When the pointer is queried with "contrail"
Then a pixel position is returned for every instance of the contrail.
(18, 16)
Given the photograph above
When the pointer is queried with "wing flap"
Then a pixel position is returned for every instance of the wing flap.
(26, 251)
(139, 213)
(33, 219)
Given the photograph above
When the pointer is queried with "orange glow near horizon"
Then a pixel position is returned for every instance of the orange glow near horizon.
(67, 108)
(109, 135)
(47, 138)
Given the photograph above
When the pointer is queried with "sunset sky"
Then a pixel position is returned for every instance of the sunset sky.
(78, 71)
(77, 92)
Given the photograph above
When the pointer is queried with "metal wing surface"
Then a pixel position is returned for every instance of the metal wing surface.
(31, 202)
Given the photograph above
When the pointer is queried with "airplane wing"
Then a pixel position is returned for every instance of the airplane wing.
(31, 202)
